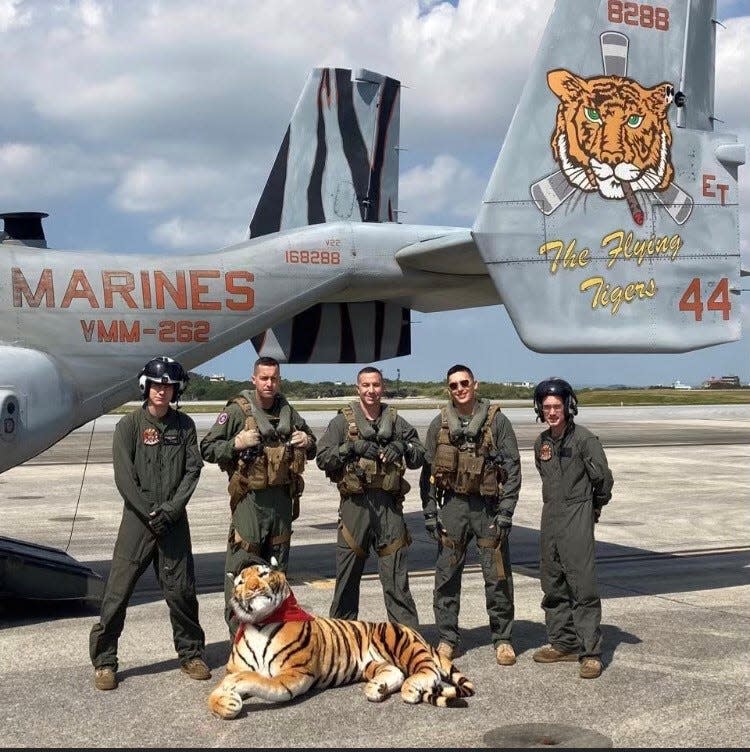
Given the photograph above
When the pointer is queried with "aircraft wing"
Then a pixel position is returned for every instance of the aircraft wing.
(455, 253)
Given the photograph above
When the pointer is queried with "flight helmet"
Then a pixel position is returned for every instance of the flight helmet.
(163, 370)
(557, 388)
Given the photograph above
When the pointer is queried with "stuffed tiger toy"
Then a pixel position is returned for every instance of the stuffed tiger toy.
(611, 134)
(281, 652)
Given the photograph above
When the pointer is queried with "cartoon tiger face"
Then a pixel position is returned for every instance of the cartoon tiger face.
(258, 591)
(612, 131)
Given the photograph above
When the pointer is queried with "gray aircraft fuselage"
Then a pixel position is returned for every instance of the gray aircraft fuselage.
(77, 327)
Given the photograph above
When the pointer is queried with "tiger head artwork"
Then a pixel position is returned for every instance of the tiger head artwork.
(612, 137)
(612, 134)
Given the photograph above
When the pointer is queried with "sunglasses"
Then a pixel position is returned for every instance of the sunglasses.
(463, 384)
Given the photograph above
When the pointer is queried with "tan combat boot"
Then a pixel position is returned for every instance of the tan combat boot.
(591, 668)
(196, 668)
(505, 654)
(105, 678)
(446, 650)
(550, 654)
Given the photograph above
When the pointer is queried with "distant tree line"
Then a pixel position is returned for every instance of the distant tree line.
(201, 387)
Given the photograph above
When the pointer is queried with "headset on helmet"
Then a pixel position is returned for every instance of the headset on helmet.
(163, 370)
(558, 388)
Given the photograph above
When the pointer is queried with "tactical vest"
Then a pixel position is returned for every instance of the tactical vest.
(276, 463)
(363, 474)
(464, 468)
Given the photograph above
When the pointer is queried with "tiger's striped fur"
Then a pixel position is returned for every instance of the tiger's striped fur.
(278, 661)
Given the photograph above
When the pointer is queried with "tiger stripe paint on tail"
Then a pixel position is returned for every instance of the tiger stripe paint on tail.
(342, 143)
(642, 256)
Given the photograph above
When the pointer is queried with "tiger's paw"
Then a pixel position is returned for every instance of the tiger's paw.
(376, 691)
(226, 705)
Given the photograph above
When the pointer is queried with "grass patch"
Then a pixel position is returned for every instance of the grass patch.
(664, 397)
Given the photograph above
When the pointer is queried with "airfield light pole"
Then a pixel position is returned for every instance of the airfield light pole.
(398, 383)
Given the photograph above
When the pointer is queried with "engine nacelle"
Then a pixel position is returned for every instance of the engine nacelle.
(37, 404)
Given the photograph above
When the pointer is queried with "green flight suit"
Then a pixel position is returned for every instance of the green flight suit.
(373, 518)
(467, 516)
(157, 465)
(262, 519)
(576, 480)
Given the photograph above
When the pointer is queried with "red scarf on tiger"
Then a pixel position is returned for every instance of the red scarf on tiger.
(288, 610)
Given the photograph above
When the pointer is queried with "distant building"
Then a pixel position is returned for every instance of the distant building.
(679, 385)
(216, 377)
(722, 382)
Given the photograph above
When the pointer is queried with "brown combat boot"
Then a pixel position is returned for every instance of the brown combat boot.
(591, 668)
(446, 650)
(550, 654)
(505, 654)
(196, 668)
(105, 678)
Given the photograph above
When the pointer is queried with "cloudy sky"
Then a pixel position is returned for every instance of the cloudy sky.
(151, 126)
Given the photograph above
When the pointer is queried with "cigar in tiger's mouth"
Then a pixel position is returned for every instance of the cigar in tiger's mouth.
(635, 208)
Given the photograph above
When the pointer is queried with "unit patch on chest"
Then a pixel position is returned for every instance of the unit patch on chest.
(150, 436)
(545, 451)
(171, 439)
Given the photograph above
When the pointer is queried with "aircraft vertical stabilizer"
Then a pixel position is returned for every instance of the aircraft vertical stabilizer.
(610, 222)
(338, 159)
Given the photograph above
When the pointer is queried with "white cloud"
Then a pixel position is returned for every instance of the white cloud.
(156, 185)
(445, 187)
(179, 233)
(11, 14)
(34, 173)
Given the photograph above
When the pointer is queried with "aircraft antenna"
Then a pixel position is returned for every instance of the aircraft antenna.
(80, 490)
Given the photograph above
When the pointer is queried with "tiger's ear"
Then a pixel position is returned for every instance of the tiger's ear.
(660, 97)
(230, 576)
(274, 562)
(566, 86)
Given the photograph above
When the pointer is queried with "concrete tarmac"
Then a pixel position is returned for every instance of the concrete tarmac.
(673, 565)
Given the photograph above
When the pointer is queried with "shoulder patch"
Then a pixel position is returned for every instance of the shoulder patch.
(150, 436)
(222, 418)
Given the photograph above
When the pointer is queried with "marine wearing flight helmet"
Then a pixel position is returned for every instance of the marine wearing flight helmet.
(576, 484)
(157, 465)
(262, 443)
(469, 488)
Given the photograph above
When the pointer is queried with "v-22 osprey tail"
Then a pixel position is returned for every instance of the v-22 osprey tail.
(610, 224)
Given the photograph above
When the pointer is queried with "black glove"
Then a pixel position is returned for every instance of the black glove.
(498, 460)
(160, 523)
(367, 449)
(431, 525)
(502, 525)
(393, 452)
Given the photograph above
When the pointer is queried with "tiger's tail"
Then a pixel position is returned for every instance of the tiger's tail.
(440, 700)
